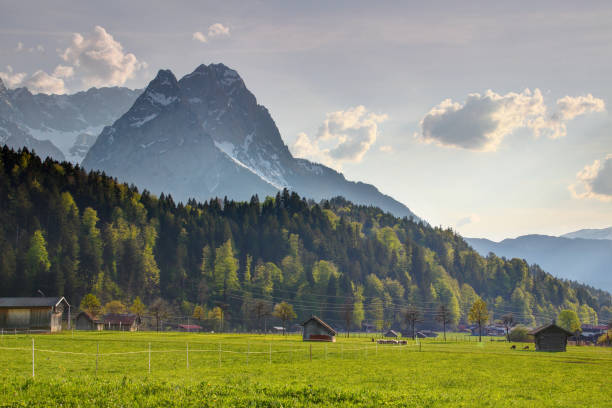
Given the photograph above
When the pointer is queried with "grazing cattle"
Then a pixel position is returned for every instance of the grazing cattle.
(526, 348)
(513, 347)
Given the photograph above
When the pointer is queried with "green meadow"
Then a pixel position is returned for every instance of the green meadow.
(107, 369)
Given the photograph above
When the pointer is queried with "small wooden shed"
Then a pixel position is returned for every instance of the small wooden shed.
(33, 313)
(121, 322)
(550, 337)
(392, 333)
(87, 321)
(316, 329)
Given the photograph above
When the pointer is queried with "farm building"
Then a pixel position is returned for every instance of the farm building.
(33, 313)
(86, 321)
(550, 338)
(392, 333)
(189, 328)
(121, 322)
(428, 333)
(316, 329)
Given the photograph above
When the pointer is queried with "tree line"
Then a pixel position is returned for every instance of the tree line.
(69, 232)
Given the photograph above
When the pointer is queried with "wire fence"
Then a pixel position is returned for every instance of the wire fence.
(88, 356)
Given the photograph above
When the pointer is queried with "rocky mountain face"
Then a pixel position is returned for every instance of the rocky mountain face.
(60, 126)
(584, 260)
(205, 136)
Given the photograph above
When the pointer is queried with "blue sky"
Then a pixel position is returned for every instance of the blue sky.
(426, 101)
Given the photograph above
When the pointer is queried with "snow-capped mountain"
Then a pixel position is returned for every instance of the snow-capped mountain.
(67, 124)
(205, 136)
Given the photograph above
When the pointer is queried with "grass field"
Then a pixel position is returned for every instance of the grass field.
(279, 372)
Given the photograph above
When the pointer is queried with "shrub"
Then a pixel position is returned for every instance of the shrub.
(520, 334)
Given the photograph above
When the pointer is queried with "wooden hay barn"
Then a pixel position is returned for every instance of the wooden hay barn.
(316, 329)
(121, 322)
(550, 338)
(32, 313)
(190, 328)
(392, 333)
(86, 321)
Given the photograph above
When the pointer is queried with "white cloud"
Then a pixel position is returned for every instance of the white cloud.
(481, 123)
(38, 82)
(344, 136)
(41, 82)
(386, 149)
(63, 71)
(214, 30)
(198, 36)
(470, 219)
(594, 181)
(99, 60)
(11, 79)
(218, 29)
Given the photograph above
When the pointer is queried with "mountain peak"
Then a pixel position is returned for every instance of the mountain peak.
(219, 72)
(163, 90)
(2, 87)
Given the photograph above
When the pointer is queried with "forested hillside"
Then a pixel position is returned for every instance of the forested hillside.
(68, 232)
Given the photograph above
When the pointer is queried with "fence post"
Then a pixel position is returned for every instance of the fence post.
(32, 357)
(97, 354)
(187, 355)
(149, 358)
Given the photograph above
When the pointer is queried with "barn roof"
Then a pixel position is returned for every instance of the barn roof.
(322, 323)
(123, 319)
(25, 302)
(90, 317)
(549, 327)
(190, 326)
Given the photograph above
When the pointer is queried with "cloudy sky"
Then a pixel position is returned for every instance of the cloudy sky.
(494, 120)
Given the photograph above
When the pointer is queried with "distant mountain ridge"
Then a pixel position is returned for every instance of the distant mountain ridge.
(584, 260)
(602, 233)
(205, 135)
(59, 126)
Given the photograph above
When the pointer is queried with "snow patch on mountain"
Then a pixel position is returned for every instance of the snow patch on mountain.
(144, 120)
(228, 149)
(65, 141)
(161, 99)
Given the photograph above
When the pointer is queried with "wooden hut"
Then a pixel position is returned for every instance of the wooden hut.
(392, 333)
(32, 313)
(121, 322)
(550, 337)
(316, 329)
(87, 321)
(190, 328)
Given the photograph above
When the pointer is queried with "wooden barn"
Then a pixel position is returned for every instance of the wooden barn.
(121, 322)
(392, 333)
(550, 337)
(190, 328)
(86, 321)
(316, 329)
(33, 313)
